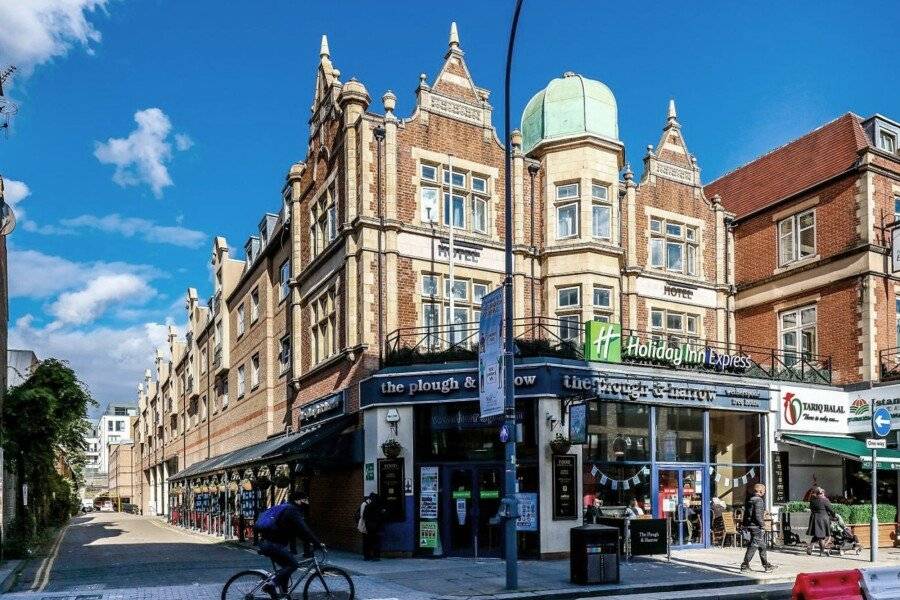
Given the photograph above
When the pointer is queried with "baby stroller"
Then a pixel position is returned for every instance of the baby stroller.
(842, 538)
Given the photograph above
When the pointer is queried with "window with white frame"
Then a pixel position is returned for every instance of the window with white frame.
(674, 246)
(284, 354)
(797, 237)
(323, 219)
(602, 303)
(601, 212)
(240, 320)
(568, 304)
(323, 319)
(254, 305)
(462, 324)
(887, 141)
(467, 208)
(798, 334)
(285, 280)
(254, 371)
(897, 207)
(241, 381)
(567, 195)
(674, 326)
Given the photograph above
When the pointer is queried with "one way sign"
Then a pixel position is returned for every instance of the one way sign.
(881, 422)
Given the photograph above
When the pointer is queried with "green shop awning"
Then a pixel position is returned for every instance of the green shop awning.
(845, 446)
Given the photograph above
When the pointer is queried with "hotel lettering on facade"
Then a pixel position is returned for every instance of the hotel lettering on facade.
(338, 355)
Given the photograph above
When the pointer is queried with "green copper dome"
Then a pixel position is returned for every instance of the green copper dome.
(569, 106)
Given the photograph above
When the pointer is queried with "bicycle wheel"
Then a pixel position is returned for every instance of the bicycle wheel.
(330, 583)
(246, 585)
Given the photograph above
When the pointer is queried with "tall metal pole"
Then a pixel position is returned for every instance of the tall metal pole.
(873, 534)
(511, 482)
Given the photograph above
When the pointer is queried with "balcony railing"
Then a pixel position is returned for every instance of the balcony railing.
(550, 337)
(889, 359)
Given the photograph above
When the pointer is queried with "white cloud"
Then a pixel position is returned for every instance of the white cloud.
(141, 157)
(110, 360)
(91, 302)
(33, 274)
(36, 31)
(183, 141)
(146, 229)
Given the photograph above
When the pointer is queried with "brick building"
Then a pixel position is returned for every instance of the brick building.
(351, 320)
(122, 477)
(812, 236)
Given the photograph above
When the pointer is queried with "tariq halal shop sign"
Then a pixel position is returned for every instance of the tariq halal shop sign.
(604, 342)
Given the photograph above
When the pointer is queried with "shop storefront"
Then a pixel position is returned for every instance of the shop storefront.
(664, 439)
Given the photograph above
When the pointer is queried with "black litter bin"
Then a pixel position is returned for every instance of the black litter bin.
(594, 554)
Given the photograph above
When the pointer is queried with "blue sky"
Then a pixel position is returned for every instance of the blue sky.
(118, 217)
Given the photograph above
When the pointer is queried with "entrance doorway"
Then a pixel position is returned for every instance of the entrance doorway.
(471, 497)
(680, 495)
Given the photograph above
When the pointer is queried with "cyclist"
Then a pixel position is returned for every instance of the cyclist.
(288, 524)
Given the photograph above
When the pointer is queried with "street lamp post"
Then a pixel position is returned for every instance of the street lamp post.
(511, 482)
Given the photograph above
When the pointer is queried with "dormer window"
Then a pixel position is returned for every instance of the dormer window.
(887, 141)
(264, 233)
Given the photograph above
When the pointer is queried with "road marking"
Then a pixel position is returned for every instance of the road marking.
(42, 577)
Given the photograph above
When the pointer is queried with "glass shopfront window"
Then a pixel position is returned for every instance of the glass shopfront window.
(455, 432)
(734, 438)
(679, 434)
(618, 432)
(598, 481)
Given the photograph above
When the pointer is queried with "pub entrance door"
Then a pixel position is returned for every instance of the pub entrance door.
(470, 498)
(679, 498)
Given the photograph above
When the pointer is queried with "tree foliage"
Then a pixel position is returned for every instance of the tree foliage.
(44, 425)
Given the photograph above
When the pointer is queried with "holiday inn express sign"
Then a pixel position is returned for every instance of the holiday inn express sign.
(604, 342)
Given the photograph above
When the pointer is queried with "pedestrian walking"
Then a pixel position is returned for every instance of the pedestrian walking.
(819, 529)
(754, 523)
(370, 523)
(594, 512)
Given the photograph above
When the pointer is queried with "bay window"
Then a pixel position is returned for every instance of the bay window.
(796, 237)
(568, 299)
(601, 212)
(567, 220)
(602, 302)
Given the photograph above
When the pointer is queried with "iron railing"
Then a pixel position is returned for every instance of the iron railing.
(889, 359)
(551, 337)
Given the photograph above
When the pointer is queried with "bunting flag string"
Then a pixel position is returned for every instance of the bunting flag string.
(626, 484)
(644, 472)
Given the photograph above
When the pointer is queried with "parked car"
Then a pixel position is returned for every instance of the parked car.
(130, 508)
(106, 507)
(87, 506)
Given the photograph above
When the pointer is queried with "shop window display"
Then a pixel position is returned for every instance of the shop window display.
(679, 434)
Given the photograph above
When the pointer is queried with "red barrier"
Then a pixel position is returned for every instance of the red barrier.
(828, 585)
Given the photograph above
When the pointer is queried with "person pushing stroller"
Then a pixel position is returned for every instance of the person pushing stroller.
(842, 535)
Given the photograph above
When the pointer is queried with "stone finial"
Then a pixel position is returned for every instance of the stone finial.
(140, 388)
(649, 149)
(389, 99)
(147, 374)
(672, 114)
(454, 36)
(515, 137)
(716, 200)
(423, 80)
(324, 52)
(628, 173)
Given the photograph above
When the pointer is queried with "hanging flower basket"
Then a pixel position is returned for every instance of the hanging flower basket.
(560, 444)
(391, 448)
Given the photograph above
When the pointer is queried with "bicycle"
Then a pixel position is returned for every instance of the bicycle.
(323, 582)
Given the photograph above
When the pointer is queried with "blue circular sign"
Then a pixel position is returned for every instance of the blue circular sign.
(881, 422)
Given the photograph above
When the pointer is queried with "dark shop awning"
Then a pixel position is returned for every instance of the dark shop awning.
(291, 445)
(846, 447)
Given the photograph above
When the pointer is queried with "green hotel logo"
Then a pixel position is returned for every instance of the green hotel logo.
(603, 341)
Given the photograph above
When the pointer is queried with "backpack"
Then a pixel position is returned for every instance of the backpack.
(267, 522)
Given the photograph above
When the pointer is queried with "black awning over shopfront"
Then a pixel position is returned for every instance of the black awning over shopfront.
(319, 441)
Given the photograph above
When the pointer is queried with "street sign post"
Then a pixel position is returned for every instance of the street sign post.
(881, 426)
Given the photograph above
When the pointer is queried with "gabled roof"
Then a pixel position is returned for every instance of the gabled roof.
(792, 168)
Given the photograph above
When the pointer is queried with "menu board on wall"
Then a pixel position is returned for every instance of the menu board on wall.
(390, 488)
(780, 477)
(565, 487)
